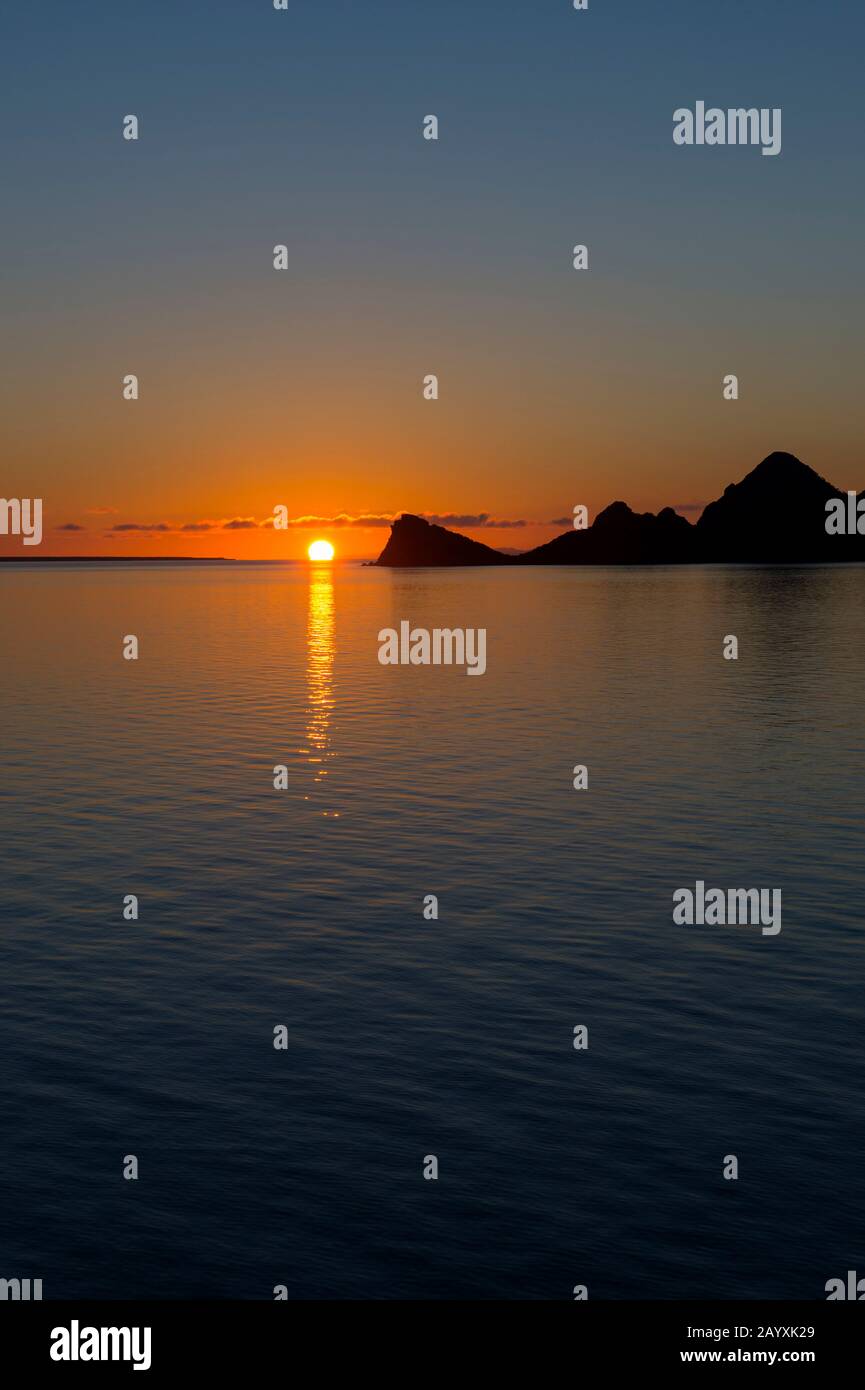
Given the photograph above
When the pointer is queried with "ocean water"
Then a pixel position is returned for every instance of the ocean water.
(409, 1037)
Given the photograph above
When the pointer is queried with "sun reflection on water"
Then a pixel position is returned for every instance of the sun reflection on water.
(321, 649)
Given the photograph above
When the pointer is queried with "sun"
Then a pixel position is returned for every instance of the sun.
(320, 550)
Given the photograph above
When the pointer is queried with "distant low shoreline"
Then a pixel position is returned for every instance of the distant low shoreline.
(140, 560)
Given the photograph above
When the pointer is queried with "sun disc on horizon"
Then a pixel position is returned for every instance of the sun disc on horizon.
(320, 550)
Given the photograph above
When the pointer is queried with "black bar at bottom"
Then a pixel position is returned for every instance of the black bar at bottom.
(408, 1340)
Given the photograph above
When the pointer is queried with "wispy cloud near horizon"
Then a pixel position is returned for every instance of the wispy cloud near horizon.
(363, 521)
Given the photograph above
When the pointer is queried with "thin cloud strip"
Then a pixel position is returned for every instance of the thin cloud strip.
(364, 521)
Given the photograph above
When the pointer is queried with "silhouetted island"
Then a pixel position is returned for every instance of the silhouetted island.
(775, 515)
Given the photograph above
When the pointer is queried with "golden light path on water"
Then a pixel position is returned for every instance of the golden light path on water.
(321, 649)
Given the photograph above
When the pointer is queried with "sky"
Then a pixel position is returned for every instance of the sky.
(303, 388)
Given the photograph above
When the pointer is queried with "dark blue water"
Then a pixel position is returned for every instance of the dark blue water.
(408, 1037)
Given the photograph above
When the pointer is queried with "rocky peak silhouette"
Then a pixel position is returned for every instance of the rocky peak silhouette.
(775, 515)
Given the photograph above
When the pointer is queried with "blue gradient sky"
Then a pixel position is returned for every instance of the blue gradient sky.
(410, 257)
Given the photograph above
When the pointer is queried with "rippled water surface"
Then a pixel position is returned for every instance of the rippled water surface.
(408, 1037)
